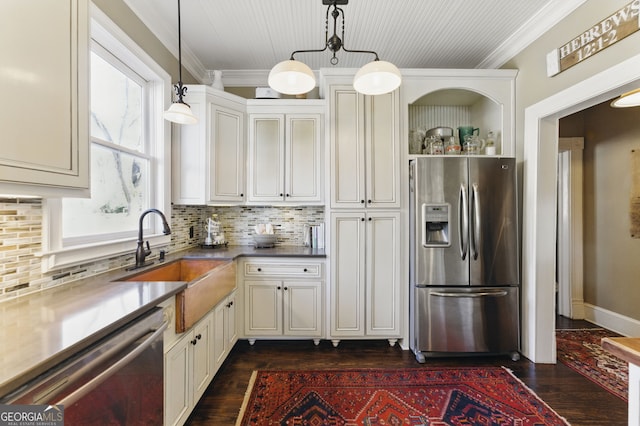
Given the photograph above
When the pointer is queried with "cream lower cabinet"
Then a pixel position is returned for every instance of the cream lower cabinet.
(225, 330)
(365, 275)
(191, 363)
(283, 300)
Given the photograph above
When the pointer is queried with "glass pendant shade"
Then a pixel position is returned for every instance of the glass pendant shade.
(629, 99)
(377, 78)
(180, 113)
(292, 78)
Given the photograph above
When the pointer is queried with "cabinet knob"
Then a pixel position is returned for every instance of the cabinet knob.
(362, 201)
(287, 195)
(305, 270)
(242, 195)
(230, 304)
(281, 194)
(199, 336)
(369, 201)
(286, 288)
(278, 288)
(194, 342)
(370, 219)
(259, 269)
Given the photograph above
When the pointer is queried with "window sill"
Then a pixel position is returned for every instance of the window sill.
(78, 255)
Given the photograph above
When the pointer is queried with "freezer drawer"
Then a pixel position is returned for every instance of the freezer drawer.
(465, 320)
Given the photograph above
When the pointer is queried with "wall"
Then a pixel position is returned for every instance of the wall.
(21, 241)
(21, 237)
(124, 17)
(610, 254)
(532, 83)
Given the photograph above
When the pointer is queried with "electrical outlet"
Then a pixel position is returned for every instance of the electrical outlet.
(191, 231)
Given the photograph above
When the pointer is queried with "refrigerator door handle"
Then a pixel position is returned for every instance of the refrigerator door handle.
(463, 221)
(475, 217)
(500, 293)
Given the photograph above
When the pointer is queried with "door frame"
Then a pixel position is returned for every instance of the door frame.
(540, 177)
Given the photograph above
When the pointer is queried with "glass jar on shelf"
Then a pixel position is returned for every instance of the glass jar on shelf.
(452, 146)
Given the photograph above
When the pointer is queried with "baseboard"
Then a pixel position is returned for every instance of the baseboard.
(611, 320)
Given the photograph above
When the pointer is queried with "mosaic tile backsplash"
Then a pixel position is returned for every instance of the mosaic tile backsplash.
(21, 236)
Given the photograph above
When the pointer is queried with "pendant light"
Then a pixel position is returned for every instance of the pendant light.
(293, 77)
(179, 111)
(629, 99)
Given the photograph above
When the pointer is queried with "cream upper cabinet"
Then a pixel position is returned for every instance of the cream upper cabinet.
(209, 157)
(365, 275)
(285, 152)
(45, 136)
(365, 155)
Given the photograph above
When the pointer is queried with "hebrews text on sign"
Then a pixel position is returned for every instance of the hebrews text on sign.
(610, 30)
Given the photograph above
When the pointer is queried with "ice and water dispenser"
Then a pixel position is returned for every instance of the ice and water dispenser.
(436, 220)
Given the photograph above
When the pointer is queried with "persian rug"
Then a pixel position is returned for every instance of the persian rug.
(411, 396)
(580, 350)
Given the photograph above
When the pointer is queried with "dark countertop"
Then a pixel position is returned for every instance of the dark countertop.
(40, 330)
(233, 252)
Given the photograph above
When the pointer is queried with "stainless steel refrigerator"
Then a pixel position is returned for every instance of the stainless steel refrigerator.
(464, 296)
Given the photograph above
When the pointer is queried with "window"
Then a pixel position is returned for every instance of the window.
(120, 156)
(129, 155)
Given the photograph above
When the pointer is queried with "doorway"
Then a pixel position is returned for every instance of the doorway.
(540, 199)
(570, 302)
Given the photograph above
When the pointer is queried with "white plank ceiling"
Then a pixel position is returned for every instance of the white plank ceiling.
(248, 37)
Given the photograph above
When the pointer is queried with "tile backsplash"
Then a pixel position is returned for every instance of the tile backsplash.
(21, 239)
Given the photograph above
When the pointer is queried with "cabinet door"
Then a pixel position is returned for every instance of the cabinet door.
(231, 323)
(383, 273)
(302, 308)
(189, 157)
(220, 347)
(45, 126)
(303, 158)
(266, 157)
(348, 274)
(177, 382)
(201, 354)
(226, 164)
(382, 150)
(347, 148)
(263, 308)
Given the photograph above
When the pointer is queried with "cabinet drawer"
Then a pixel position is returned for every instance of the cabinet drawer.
(298, 270)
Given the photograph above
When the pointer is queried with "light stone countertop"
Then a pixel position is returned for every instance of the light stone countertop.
(40, 330)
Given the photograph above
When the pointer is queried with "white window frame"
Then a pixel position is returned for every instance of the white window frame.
(55, 255)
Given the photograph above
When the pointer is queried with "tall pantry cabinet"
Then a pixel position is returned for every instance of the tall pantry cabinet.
(365, 215)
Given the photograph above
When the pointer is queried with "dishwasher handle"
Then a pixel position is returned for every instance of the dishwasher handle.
(100, 378)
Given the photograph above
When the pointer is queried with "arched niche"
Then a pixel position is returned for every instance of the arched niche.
(452, 98)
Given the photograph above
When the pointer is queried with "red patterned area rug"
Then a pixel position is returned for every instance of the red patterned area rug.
(412, 396)
(581, 351)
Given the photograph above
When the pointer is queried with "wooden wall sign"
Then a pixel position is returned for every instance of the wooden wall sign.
(600, 36)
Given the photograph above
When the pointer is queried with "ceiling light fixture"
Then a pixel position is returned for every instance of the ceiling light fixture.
(629, 99)
(179, 111)
(293, 77)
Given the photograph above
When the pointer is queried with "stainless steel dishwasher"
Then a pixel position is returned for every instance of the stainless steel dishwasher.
(118, 380)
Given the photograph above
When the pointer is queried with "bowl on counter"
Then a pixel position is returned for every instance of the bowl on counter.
(264, 240)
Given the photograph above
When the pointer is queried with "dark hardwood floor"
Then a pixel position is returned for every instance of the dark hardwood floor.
(571, 395)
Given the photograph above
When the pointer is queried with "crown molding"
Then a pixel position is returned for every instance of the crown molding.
(534, 28)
